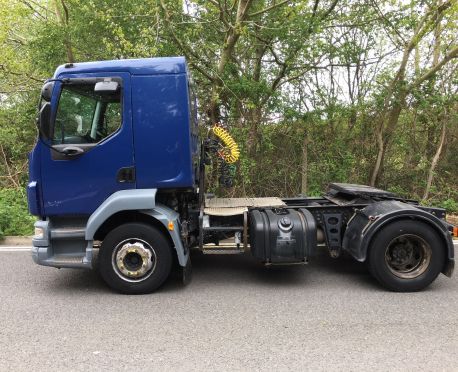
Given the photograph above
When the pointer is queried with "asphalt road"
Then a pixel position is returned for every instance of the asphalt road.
(235, 315)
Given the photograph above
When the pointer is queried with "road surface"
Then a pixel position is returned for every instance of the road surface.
(235, 315)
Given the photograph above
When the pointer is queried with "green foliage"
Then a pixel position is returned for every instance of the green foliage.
(315, 76)
(450, 205)
(14, 216)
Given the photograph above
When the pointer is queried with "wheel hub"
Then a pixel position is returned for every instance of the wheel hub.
(134, 259)
(408, 256)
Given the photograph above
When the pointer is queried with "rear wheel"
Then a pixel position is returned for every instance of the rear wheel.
(135, 258)
(406, 256)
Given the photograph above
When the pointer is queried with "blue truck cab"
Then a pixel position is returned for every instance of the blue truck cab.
(103, 152)
(117, 183)
(113, 131)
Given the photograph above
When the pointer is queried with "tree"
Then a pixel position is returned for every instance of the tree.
(399, 88)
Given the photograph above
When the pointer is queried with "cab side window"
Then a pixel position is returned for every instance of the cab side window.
(112, 118)
(84, 116)
(74, 116)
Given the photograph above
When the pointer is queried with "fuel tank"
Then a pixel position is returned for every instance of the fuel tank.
(282, 235)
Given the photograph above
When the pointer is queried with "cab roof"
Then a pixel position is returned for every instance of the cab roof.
(142, 66)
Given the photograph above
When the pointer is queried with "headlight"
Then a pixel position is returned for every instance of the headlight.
(39, 233)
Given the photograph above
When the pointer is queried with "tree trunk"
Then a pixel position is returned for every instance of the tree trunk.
(12, 177)
(437, 37)
(232, 36)
(255, 113)
(304, 185)
(64, 23)
(255, 117)
(385, 134)
(436, 55)
(380, 156)
(435, 161)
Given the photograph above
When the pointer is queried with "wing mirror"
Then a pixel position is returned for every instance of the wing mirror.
(46, 91)
(44, 119)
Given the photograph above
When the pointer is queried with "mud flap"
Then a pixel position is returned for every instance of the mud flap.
(187, 272)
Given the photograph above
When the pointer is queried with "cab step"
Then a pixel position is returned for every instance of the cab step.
(63, 259)
(67, 261)
(68, 233)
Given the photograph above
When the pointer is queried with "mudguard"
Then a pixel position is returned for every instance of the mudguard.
(143, 201)
(366, 222)
(165, 215)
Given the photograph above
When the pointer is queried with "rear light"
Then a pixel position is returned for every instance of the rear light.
(455, 231)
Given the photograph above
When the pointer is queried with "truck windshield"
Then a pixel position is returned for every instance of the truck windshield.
(84, 116)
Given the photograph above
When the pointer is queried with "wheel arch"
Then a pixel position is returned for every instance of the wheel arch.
(133, 206)
(122, 217)
(362, 229)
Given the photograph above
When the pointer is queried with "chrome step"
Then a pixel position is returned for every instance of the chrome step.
(223, 228)
(221, 251)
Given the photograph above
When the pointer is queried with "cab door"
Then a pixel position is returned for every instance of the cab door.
(90, 155)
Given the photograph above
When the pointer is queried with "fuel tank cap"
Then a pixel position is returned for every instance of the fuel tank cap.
(285, 224)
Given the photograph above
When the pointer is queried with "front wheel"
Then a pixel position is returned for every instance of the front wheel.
(135, 258)
(406, 256)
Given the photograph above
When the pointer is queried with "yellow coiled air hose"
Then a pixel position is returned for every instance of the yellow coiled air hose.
(231, 152)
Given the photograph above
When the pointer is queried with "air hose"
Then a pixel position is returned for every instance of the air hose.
(230, 152)
(226, 173)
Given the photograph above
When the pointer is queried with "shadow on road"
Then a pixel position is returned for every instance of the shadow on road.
(238, 270)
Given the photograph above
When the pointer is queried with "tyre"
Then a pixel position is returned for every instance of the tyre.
(135, 258)
(406, 256)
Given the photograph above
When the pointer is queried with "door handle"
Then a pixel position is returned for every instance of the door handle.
(72, 151)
